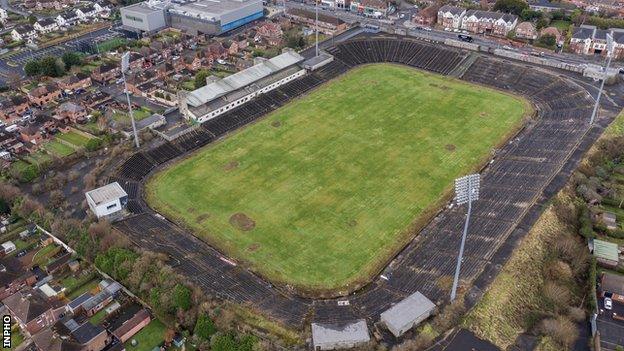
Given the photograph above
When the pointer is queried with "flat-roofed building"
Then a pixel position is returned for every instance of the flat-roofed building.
(214, 17)
(107, 201)
(340, 336)
(407, 314)
(222, 95)
(148, 17)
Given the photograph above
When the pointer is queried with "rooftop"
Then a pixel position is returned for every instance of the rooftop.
(606, 250)
(110, 192)
(209, 9)
(407, 311)
(352, 333)
(243, 78)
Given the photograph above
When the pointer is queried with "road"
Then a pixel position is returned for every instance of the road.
(440, 35)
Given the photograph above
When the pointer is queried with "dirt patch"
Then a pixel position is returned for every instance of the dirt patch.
(241, 221)
(276, 124)
(253, 247)
(450, 147)
(483, 114)
(202, 218)
(231, 165)
(352, 223)
(443, 87)
(191, 210)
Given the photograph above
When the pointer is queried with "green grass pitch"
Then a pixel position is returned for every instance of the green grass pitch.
(336, 182)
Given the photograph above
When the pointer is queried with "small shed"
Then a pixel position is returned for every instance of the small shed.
(407, 314)
(340, 336)
(612, 285)
(108, 200)
(606, 253)
(609, 219)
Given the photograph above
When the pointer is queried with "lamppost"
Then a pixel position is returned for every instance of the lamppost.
(125, 65)
(466, 191)
(609, 49)
(316, 25)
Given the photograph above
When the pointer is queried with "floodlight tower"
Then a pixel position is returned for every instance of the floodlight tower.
(604, 77)
(125, 65)
(466, 191)
(316, 26)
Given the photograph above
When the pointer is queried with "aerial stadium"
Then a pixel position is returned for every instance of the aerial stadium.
(324, 190)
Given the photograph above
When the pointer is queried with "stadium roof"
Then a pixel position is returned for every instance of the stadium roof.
(109, 192)
(243, 78)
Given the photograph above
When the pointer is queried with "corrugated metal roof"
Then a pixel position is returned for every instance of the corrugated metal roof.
(242, 79)
(106, 193)
(605, 250)
(353, 333)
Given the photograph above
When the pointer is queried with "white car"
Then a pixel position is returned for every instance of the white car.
(608, 303)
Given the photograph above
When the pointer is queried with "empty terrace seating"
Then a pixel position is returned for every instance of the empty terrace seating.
(136, 167)
(163, 153)
(193, 139)
(412, 53)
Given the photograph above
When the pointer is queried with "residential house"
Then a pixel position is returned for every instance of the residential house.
(33, 312)
(45, 94)
(136, 60)
(75, 82)
(553, 31)
(67, 18)
(71, 112)
(327, 24)
(90, 337)
(214, 52)
(526, 30)
(487, 22)
(106, 72)
(85, 13)
(550, 6)
(103, 9)
(589, 40)
(13, 276)
(4, 16)
(131, 323)
(428, 16)
(451, 16)
(13, 107)
(48, 5)
(370, 7)
(46, 25)
(271, 33)
(192, 61)
(343, 4)
(76, 305)
(24, 32)
(59, 263)
(32, 134)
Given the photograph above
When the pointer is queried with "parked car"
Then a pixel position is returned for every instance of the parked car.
(608, 303)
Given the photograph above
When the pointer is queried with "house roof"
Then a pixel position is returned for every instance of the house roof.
(525, 26)
(131, 323)
(336, 334)
(311, 15)
(479, 14)
(27, 306)
(79, 301)
(613, 283)
(87, 332)
(407, 311)
(551, 31)
(552, 5)
(606, 250)
(106, 193)
(583, 32)
(46, 22)
(454, 10)
(243, 78)
(70, 107)
(12, 269)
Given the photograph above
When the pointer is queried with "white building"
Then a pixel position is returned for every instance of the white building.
(25, 32)
(222, 95)
(451, 16)
(46, 25)
(407, 314)
(107, 201)
(345, 336)
(3, 15)
(8, 247)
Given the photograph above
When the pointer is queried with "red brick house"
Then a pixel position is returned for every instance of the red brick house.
(192, 62)
(214, 52)
(13, 276)
(33, 312)
(75, 82)
(31, 134)
(327, 24)
(271, 33)
(428, 16)
(44, 94)
(70, 112)
(13, 107)
(526, 30)
(133, 325)
(106, 72)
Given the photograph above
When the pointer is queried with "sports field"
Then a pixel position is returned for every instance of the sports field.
(322, 192)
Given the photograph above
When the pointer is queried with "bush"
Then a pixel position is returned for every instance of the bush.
(204, 328)
(182, 297)
(93, 144)
(560, 329)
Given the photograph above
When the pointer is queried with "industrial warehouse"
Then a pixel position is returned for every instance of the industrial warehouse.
(194, 17)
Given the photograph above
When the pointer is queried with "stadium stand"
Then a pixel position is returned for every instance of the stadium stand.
(528, 170)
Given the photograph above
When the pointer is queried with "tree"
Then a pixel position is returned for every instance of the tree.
(204, 328)
(200, 78)
(548, 40)
(32, 19)
(32, 68)
(530, 15)
(93, 144)
(71, 58)
(511, 6)
(182, 297)
(541, 23)
(52, 66)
